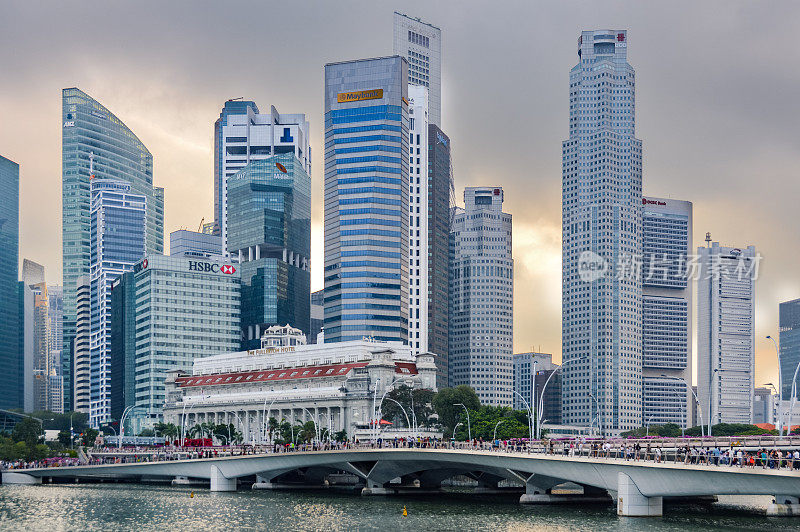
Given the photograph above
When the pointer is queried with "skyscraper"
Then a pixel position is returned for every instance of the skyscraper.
(666, 311)
(81, 364)
(118, 232)
(481, 297)
(437, 255)
(56, 309)
(421, 44)
(194, 244)
(366, 200)
(789, 331)
(602, 240)
(165, 313)
(243, 135)
(269, 229)
(96, 142)
(419, 272)
(11, 355)
(726, 333)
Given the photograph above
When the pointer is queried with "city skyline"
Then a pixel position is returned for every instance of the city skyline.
(720, 136)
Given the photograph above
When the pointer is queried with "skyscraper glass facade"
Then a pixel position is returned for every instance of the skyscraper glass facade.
(269, 228)
(789, 330)
(118, 228)
(666, 311)
(421, 44)
(93, 136)
(439, 196)
(243, 135)
(11, 354)
(366, 200)
(602, 239)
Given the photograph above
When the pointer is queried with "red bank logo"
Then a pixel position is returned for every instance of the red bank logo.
(227, 268)
(646, 201)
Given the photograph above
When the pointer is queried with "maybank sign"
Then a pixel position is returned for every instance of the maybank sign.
(372, 94)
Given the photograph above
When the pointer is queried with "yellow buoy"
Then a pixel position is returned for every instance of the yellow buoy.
(191, 494)
(405, 512)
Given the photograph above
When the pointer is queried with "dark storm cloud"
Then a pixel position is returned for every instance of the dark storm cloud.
(717, 110)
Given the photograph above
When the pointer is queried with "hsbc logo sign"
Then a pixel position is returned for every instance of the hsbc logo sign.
(210, 267)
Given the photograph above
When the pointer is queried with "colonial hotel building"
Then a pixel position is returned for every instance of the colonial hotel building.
(333, 384)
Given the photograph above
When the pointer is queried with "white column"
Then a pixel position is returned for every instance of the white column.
(631, 502)
(220, 482)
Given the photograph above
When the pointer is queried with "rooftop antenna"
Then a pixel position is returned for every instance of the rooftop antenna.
(708, 240)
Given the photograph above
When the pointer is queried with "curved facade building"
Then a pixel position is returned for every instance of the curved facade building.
(95, 141)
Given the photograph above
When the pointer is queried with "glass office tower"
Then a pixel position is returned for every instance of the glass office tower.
(366, 200)
(789, 330)
(602, 240)
(118, 220)
(93, 137)
(269, 228)
(11, 356)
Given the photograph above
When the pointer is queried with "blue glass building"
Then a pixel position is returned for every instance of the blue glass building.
(118, 219)
(11, 356)
(269, 227)
(789, 330)
(92, 131)
(367, 200)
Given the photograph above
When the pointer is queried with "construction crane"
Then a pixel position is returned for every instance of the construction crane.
(200, 227)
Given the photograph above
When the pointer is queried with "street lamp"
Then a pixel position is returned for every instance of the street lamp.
(469, 427)
(408, 421)
(540, 411)
(780, 386)
(456, 428)
(122, 421)
(494, 435)
(697, 401)
(530, 416)
(599, 419)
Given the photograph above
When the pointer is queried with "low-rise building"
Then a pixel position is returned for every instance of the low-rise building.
(335, 385)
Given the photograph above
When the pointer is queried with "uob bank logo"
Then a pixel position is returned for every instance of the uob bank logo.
(591, 266)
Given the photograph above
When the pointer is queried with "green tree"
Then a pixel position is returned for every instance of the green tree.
(416, 402)
(29, 431)
(64, 437)
(147, 432)
(340, 436)
(444, 405)
(88, 436)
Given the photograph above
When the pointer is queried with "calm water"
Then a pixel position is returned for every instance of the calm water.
(163, 508)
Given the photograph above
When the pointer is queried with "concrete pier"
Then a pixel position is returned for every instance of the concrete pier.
(631, 502)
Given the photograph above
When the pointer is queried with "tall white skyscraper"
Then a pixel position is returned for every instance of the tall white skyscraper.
(482, 297)
(418, 218)
(421, 44)
(602, 240)
(666, 311)
(726, 333)
(242, 135)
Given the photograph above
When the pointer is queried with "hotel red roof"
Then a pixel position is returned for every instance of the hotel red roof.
(306, 372)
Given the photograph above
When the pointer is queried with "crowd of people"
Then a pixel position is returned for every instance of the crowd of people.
(617, 449)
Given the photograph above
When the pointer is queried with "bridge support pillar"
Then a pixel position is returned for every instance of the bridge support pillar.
(220, 482)
(373, 488)
(631, 502)
(782, 506)
(20, 478)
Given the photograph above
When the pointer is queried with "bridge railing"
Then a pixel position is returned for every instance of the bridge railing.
(731, 452)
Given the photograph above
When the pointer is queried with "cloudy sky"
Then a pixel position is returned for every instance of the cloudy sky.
(717, 111)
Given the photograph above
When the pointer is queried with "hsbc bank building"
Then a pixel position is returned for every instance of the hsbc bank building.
(167, 312)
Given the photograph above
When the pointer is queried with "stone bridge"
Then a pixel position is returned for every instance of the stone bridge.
(638, 487)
